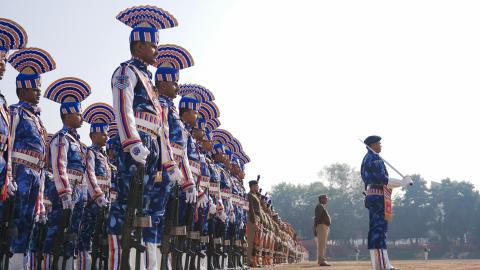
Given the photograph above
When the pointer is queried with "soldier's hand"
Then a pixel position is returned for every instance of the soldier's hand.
(212, 208)
(202, 199)
(67, 200)
(191, 196)
(101, 201)
(174, 174)
(139, 153)
(407, 180)
(12, 188)
(41, 218)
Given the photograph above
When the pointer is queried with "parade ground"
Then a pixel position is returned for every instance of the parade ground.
(403, 265)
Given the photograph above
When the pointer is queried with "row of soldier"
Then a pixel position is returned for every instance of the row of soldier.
(165, 182)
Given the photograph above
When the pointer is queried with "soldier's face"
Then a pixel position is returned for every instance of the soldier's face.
(30, 95)
(190, 117)
(168, 89)
(377, 147)
(2, 68)
(207, 145)
(254, 188)
(99, 138)
(147, 51)
(198, 134)
(73, 120)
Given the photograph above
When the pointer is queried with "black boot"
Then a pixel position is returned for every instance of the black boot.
(164, 262)
(193, 265)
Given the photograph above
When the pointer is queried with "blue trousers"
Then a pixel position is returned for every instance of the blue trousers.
(3, 173)
(378, 226)
(119, 207)
(55, 218)
(28, 183)
(87, 225)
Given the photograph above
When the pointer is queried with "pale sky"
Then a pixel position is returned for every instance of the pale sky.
(297, 82)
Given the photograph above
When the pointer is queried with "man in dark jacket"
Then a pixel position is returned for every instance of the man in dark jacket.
(321, 229)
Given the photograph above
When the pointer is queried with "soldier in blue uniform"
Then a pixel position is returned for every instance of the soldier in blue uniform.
(140, 123)
(213, 260)
(223, 202)
(208, 110)
(378, 187)
(12, 37)
(47, 186)
(99, 170)
(171, 59)
(67, 158)
(28, 145)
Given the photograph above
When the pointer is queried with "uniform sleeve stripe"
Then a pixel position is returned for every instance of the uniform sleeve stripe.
(123, 119)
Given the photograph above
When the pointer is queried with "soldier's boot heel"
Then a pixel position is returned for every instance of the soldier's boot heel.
(210, 263)
(192, 264)
(164, 262)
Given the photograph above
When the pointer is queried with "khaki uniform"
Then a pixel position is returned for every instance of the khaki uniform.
(322, 229)
(254, 218)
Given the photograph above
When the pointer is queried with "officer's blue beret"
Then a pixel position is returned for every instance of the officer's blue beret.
(372, 139)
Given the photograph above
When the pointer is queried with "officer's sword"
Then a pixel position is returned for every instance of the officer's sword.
(386, 162)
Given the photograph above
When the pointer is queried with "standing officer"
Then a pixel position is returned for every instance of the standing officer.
(28, 144)
(139, 119)
(321, 229)
(254, 222)
(378, 201)
(99, 170)
(67, 156)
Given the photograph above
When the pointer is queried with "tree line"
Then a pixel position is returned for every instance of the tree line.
(444, 215)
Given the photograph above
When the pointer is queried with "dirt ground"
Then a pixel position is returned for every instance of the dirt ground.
(403, 265)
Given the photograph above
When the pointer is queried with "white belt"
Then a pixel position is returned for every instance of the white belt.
(215, 187)
(195, 167)
(146, 126)
(177, 150)
(204, 181)
(28, 160)
(73, 176)
(226, 195)
(103, 184)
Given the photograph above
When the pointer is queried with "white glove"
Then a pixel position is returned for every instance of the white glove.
(202, 199)
(232, 216)
(242, 225)
(174, 174)
(67, 201)
(101, 201)
(407, 180)
(212, 208)
(12, 187)
(191, 194)
(220, 212)
(139, 153)
(222, 216)
(395, 183)
(113, 195)
(41, 218)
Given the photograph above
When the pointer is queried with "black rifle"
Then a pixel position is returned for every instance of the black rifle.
(178, 233)
(100, 242)
(42, 233)
(211, 248)
(61, 239)
(196, 243)
(7, 231)
(189, 218)
(135, 220)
